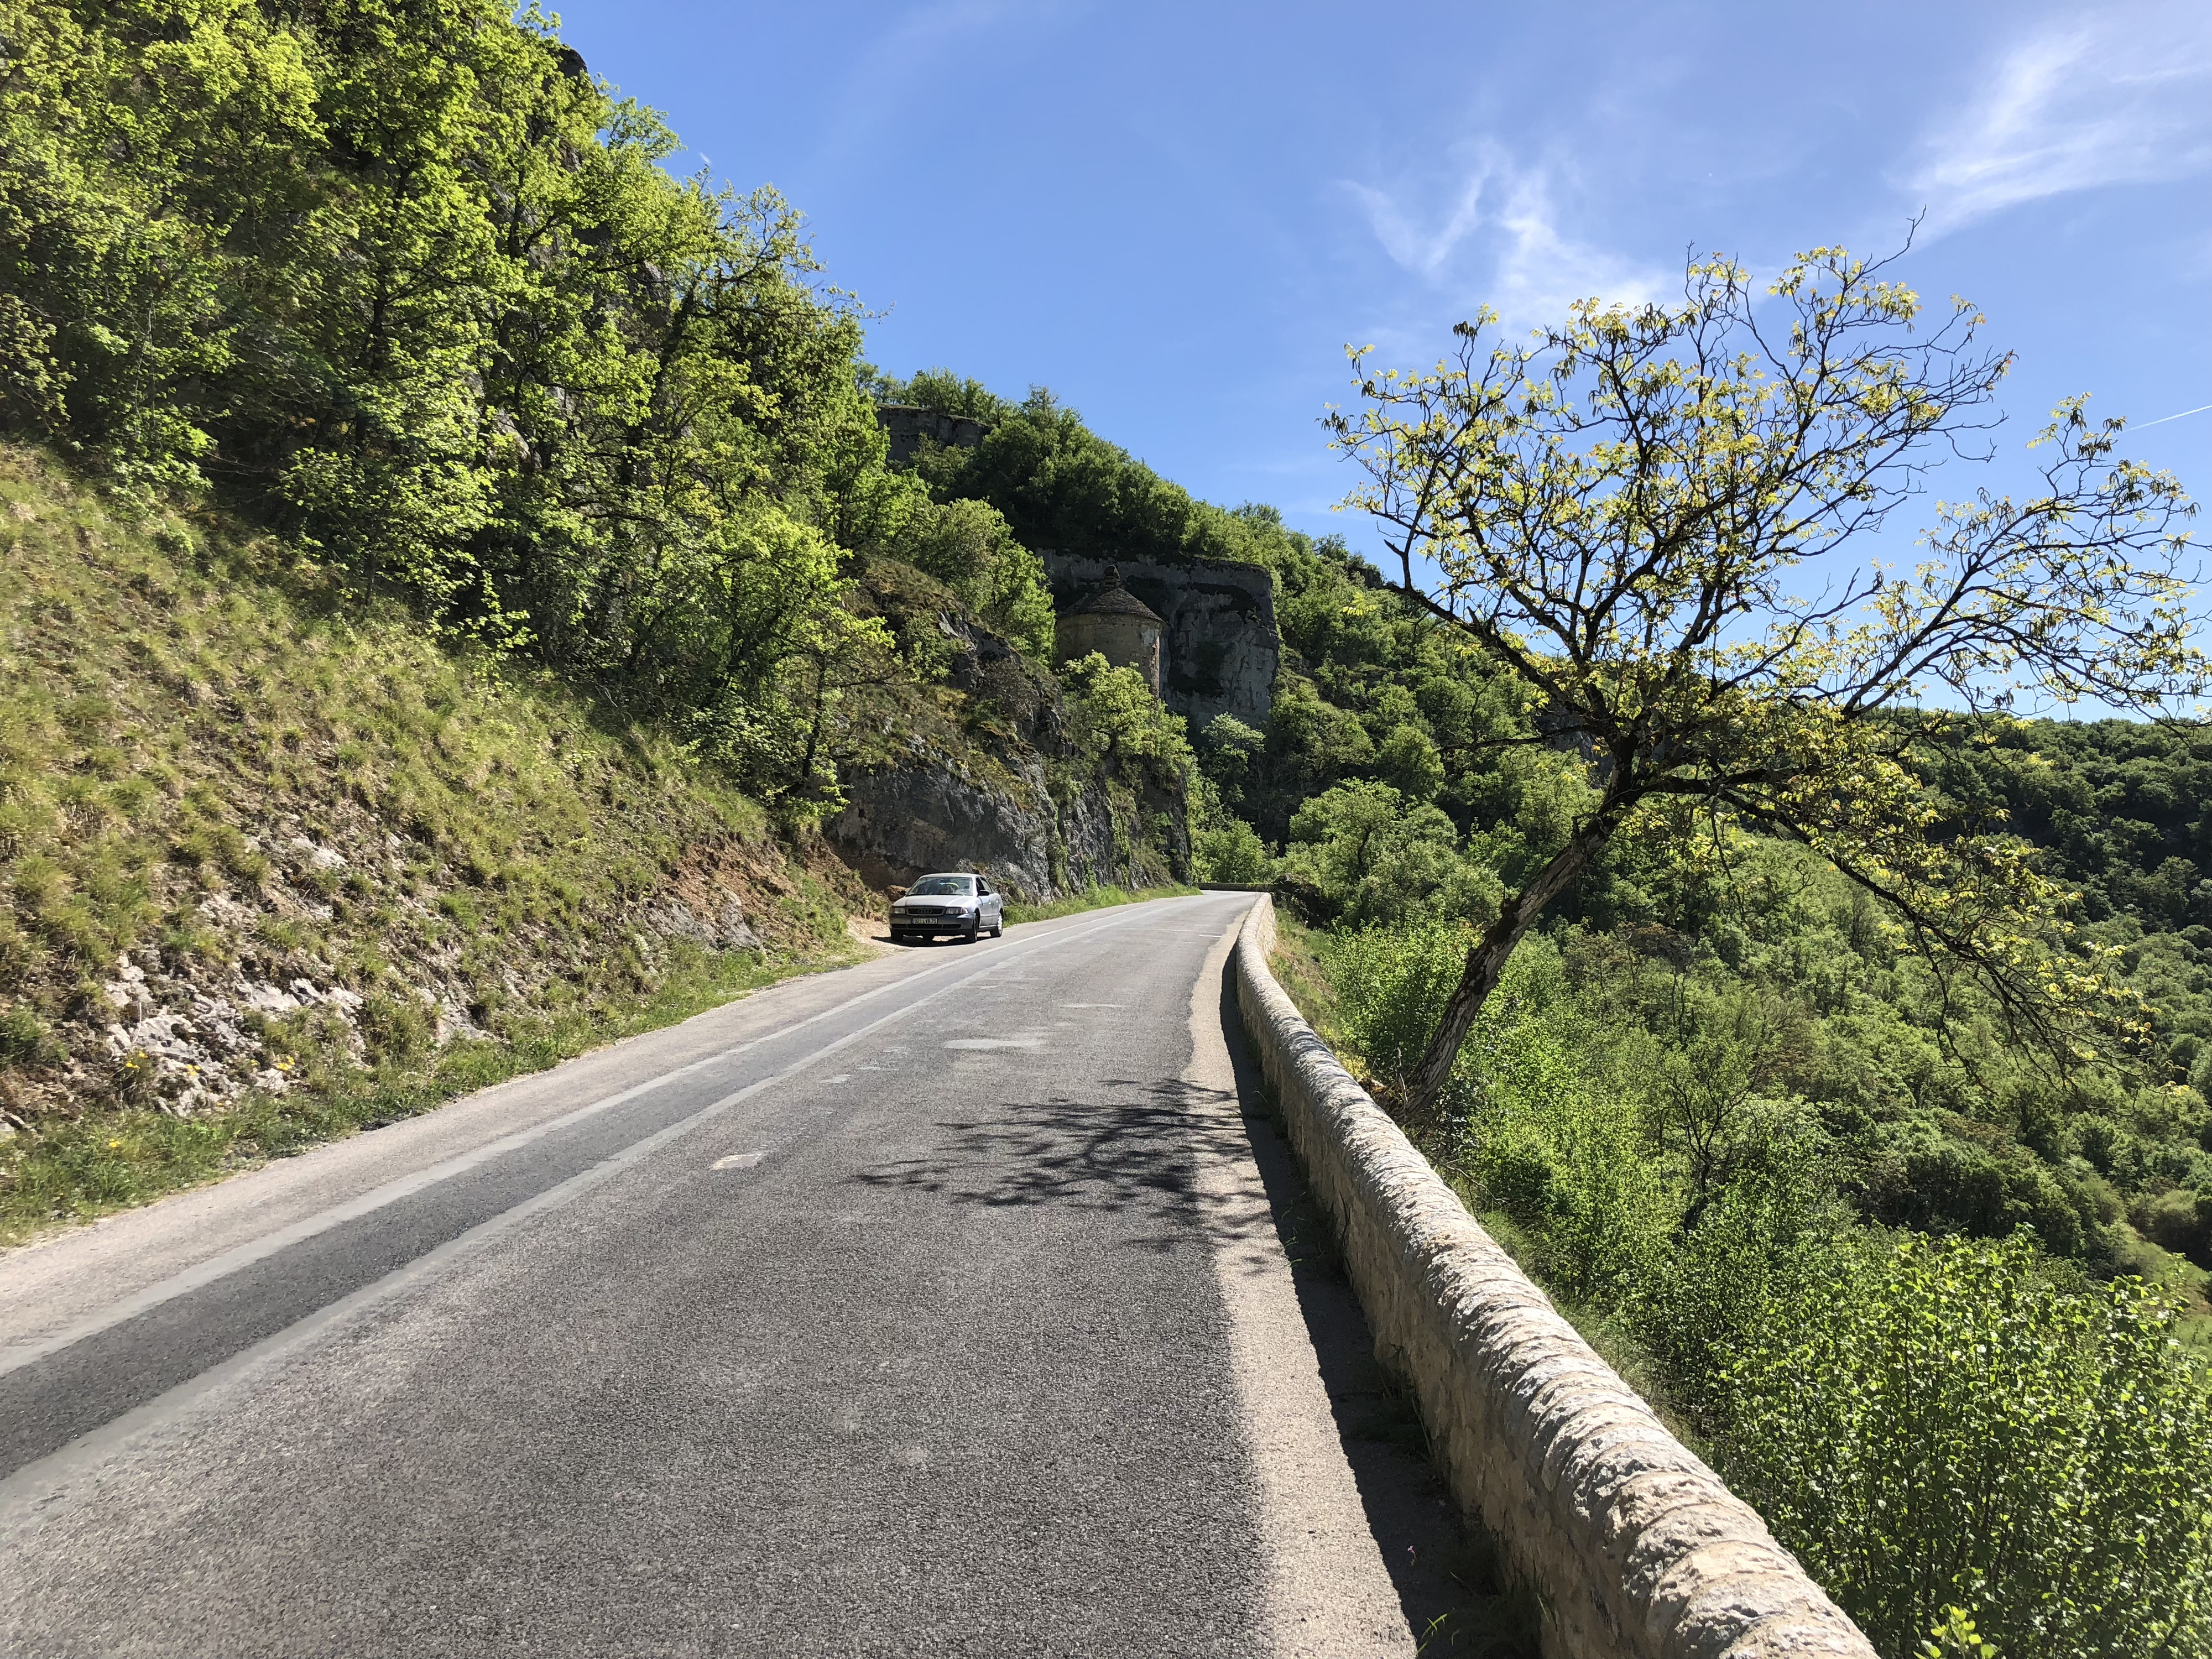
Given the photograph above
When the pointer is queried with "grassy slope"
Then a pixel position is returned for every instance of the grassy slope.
(221, 792)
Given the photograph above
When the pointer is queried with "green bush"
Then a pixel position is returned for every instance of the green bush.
(1942, 1425)
(1715, 1279)
(1363, 853)
(967, 546)
(1393, 984)
(1232, 852)
(1115, 717)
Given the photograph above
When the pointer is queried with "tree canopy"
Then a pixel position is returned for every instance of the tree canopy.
(405, 279)
(1645, 518)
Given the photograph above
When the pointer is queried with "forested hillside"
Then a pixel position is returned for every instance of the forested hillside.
(452, 569)
(1911, 1282)
(453, 574)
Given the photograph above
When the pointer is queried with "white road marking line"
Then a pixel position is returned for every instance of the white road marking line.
(737, 1161)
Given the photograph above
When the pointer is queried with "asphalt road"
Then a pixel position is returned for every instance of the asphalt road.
(956, 1303)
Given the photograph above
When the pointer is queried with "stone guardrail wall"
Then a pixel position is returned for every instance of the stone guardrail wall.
(1635, 1548)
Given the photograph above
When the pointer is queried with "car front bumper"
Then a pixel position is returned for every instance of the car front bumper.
(933, 927)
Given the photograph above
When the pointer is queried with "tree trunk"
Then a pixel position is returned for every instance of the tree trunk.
(1486, 958)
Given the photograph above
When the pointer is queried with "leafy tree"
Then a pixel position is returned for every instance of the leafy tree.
(1362, 853)
(1227, 750)
(1231, 851)
(967, 545)
(1622, 517)
(1941, 1426)
(404, 279)
(1115, 720)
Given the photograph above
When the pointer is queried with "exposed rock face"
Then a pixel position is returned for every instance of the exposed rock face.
(908, 426)
(1218, 645)
(185, 1032)
(906, 821)
(991, 781)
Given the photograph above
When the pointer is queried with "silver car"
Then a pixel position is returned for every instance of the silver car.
(961, 903)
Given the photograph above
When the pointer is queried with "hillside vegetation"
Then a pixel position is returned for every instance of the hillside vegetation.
(271, 851)
(1923, 1294)
(453, 574)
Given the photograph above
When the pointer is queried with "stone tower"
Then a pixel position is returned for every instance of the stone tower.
(1117, 624)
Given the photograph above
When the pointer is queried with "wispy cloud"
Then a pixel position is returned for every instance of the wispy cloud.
(899, 69)
(2123, 95)
(1494, 236)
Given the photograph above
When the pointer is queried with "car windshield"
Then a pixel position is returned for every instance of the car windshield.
(937, 886)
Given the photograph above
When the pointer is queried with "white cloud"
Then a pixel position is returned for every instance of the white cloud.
(1494, 237)
(2122, 96)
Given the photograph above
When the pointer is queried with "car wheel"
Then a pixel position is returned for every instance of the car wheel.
(974, 927)
(998, 928)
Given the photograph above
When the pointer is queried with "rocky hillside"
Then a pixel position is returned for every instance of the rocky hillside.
(275, 862)
(257, 846)
(981, 758)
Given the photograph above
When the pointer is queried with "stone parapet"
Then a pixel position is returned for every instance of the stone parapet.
(1634, 1549)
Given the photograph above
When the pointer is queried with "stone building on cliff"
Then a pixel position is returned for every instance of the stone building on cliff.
(1217, 650)
(1116, 623)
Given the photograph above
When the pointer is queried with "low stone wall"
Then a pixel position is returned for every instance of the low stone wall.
(1635, 1548)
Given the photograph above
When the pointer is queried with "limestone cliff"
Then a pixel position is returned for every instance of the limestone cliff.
(1218, 645)
(976, 771)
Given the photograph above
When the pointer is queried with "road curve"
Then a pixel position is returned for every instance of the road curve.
(936, 1306)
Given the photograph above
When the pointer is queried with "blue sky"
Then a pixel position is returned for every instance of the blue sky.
(1177, 216)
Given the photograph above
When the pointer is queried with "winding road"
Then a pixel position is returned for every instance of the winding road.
(960, 1302)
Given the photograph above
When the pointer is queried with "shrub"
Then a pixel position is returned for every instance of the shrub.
(1115, 715)
(1940, 1424)
(1232, 852)
(1771, 1224)
(1393, 985)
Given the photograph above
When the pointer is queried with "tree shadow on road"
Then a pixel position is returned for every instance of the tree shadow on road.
(1138, 1149)
(1147, 1149)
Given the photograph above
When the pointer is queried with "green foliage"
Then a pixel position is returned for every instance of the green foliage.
(1390, 985)
(967, 545)
(1698, 1143)
(407, 281)
(184, 711)
(1362, 853)
(1058, 483)
(1116, 719)
(1227, 750)
(1955, 1637)
(1942, 1426)
(1231, 851)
